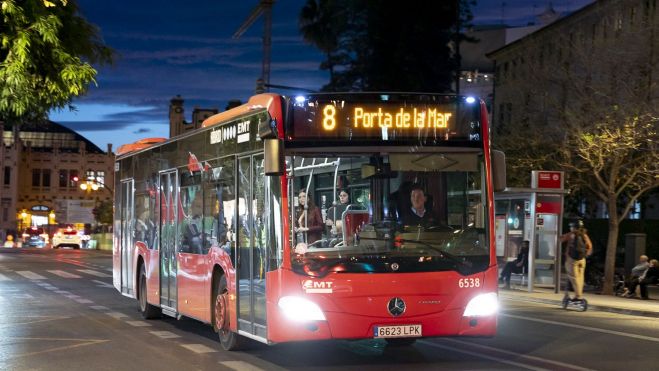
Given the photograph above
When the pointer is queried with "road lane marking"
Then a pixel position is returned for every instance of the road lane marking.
(99, 307)
(165, 334)
(31, 275)
(64, 292)
(85, 342)
(51, 288)
(4, 278)
(103, 284)
(116, 315)
(198, 348)
(84, 301)
(240, 366)
(480, 355)
(138, 323)
(72, 296)
(595, 329)
(64, 274)
(533, 358)
(94, 273)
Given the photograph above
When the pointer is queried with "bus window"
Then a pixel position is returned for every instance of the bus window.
(412, 205)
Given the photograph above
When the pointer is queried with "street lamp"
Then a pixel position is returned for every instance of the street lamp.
(23, 216)
(93, 184)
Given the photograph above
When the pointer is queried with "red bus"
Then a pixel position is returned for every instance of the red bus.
(241, 224)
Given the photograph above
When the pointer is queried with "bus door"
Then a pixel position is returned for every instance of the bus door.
(251, 246)
(168, 224)
(127, 210)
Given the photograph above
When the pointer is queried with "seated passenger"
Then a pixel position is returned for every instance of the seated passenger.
(516, 266)
(417, 213)
(334, 213)
(308, 220)
(650, 276)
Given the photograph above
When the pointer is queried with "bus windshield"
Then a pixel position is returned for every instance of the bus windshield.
(388, 212)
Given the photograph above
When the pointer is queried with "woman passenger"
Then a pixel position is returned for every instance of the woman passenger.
(308, 220)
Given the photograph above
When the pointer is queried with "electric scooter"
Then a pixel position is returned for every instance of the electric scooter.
(580, 305)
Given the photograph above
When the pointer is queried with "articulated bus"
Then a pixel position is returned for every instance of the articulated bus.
(235, 224)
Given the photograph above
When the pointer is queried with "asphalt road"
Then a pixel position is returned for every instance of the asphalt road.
(60, 312)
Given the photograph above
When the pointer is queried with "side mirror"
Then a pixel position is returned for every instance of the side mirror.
(498, 170)
(274, 157)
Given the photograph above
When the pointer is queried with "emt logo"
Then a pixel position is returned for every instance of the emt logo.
(315, 287)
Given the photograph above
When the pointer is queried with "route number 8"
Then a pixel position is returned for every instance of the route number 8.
(329, 117)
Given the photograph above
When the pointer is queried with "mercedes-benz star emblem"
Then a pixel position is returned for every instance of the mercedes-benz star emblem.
(396, 307)
(394, 266)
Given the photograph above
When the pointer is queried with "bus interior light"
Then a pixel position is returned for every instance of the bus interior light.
(300, 99)
(300, 310)
(470, 100)
(482, 305)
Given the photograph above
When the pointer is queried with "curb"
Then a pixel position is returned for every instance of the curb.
(601, 308)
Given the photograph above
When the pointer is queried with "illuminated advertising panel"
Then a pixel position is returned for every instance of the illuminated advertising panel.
(370, 117)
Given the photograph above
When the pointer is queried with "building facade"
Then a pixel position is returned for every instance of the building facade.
(43, 165)
(578, 69)
(177, 123)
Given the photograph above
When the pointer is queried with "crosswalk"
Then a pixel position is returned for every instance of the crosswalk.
(73, 274)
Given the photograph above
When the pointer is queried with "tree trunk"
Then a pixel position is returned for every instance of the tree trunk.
(611, 247)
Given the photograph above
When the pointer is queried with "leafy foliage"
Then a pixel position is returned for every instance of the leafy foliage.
(46, 51)
(386, 45)
(578, 110)
(103, 213)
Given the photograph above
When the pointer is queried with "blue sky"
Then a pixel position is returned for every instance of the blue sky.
(167, 48)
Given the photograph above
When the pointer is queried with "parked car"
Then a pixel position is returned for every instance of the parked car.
(35, 237)
(67, 237)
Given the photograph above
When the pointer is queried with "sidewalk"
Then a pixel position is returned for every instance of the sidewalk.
(605, 303)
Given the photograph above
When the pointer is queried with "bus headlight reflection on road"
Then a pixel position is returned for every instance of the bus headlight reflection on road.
(300, 310)
(482, 305)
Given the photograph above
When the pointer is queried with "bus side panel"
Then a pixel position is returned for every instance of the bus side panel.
(192, 281)
(152, 266)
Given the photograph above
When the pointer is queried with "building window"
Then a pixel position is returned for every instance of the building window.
(36, 177)
(45, 178)
(7, 175)
(73, 175)
(63, 178)
(100, 178)
(635, 212)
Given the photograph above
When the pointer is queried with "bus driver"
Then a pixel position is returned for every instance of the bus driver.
(417, 213)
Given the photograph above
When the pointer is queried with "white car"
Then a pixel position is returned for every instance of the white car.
(67, 237)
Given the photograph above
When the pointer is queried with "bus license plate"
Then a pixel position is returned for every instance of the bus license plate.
(402, 331)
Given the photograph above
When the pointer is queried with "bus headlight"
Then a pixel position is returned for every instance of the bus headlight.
(300, 309)
(482, 305)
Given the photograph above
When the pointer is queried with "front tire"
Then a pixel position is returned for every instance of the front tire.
(147, 310)
(228, 339)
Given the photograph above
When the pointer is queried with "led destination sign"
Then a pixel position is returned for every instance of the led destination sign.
(389, 117)
(370, 118)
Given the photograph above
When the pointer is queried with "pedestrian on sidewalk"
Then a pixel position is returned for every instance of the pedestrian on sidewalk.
(517, 266)
(650, 276)
(634, 279)
(578, 246)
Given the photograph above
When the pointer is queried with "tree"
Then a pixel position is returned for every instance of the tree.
(579, 110)
(46, 52)
(103, 212)
(386, 45)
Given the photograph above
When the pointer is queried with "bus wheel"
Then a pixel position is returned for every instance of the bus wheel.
(148, 311)
(229, 339)
(400, 342)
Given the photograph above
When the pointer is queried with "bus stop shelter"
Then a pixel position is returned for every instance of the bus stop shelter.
(533, 214)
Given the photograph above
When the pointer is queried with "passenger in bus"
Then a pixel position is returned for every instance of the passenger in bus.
(308, 220)
(416, 214)
(335, 213)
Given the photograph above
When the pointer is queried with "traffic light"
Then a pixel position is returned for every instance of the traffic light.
(75, 178)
